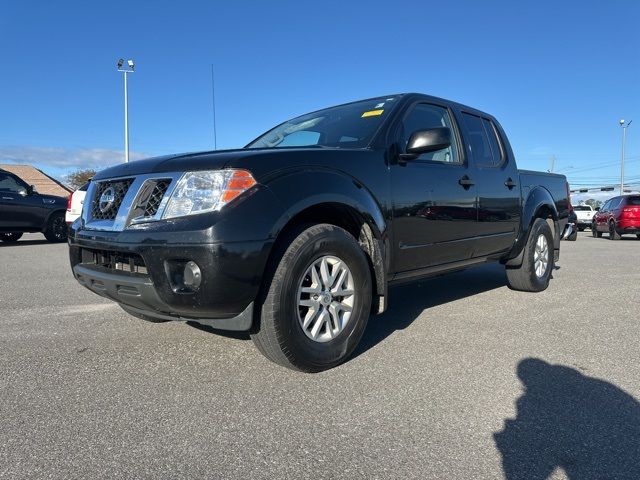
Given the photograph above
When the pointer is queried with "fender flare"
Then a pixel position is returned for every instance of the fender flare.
(539, 199)
(301, 190)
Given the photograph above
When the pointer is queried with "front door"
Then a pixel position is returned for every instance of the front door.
(434, 197)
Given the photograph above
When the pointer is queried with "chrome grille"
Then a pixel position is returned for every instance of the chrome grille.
(151, 208)
(107, 208)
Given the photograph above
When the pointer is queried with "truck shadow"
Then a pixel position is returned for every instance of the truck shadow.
(407, 302)
(586, 426)
(24, 243)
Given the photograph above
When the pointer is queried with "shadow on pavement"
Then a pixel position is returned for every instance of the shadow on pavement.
(587, 427)
(407, 302)
(24, 243)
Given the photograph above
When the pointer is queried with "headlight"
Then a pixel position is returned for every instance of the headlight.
(206, 191)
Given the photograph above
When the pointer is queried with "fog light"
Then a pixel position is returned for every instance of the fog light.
(192, 276)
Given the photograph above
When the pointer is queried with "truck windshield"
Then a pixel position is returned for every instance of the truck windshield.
(582, 208)
(348, 126)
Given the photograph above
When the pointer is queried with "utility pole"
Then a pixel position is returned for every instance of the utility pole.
(213, 103)
(130, 68)
(624, 139)
(553, 163)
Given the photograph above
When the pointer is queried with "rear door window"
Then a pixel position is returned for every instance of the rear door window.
(483, 141)
(633, 201)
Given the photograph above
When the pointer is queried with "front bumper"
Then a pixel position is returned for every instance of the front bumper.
(144, 274)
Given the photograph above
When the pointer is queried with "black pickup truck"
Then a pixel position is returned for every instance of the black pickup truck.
(22, 209)
(296, 237)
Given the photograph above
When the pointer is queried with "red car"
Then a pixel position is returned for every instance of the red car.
(618, 216)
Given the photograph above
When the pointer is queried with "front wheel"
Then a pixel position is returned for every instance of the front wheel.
(56, 228)
(581, 229)
(595, 232)
(316, 306)
(537, 262)
(12, 237)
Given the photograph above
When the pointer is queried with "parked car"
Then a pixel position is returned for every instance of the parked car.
(618, 216)
(584, 214)
(22, 209)
(75, 202)
(296, 237)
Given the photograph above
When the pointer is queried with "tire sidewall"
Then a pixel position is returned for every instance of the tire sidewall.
(540, 227)
(305, 351)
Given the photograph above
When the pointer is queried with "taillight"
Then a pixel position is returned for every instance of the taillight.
(69, 202)
(630, 212)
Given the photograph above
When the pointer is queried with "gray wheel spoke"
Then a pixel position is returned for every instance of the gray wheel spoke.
(541, 256)
(326, 296)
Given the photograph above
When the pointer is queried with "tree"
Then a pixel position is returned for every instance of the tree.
(80, 177)
(593, 203)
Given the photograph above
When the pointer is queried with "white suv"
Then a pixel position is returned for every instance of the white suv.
(585, 215)
(74, 203)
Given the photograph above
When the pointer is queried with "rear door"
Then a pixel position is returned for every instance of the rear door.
(434, 214)
(499, 198)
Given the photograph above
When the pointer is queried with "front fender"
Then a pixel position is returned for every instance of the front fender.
(304, 189)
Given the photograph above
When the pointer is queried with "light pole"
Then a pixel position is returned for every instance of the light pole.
(624, 126)
(130, 68)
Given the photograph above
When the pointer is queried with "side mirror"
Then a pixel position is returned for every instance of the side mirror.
(424, 141)
(31, 190)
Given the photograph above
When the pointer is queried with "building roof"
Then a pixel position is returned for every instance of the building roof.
(43, 182)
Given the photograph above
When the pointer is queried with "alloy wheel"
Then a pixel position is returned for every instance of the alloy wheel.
(541, 256)
(326, 296)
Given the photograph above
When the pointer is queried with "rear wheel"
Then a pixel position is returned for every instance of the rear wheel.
(613, 233)
(638, 235)
(574, 236)
(316, 306)
(12, 237)
(56, 228)
(537, 262)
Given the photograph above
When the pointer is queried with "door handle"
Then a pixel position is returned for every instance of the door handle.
(466, 182)
(8, 198)
(509, 183)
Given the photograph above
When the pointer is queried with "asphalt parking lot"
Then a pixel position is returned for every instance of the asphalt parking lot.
(461, 379)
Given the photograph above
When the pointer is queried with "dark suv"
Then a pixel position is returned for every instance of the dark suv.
(618, 216)
(22, 209)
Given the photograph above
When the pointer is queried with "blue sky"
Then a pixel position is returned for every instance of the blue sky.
(558, 75)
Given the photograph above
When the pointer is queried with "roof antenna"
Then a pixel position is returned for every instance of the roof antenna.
(213, 104)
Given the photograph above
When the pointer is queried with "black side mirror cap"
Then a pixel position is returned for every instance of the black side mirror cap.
(424, 141)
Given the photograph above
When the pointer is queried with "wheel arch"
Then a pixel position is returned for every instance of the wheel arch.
(45, 224)
(349, 205)
(539, 204)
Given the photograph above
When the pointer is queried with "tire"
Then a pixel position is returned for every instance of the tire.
(613, 233)
(595, 232)
(638, 236)
(525, 278)
(581, 229)
(56, 228)
(12, 237)
(281, 334)
(574, 236)
(142, 316)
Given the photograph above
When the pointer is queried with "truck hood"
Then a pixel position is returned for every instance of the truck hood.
(241, 158)
(173, 163)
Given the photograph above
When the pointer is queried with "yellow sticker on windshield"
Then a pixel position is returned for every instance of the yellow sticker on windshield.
(372, 113)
